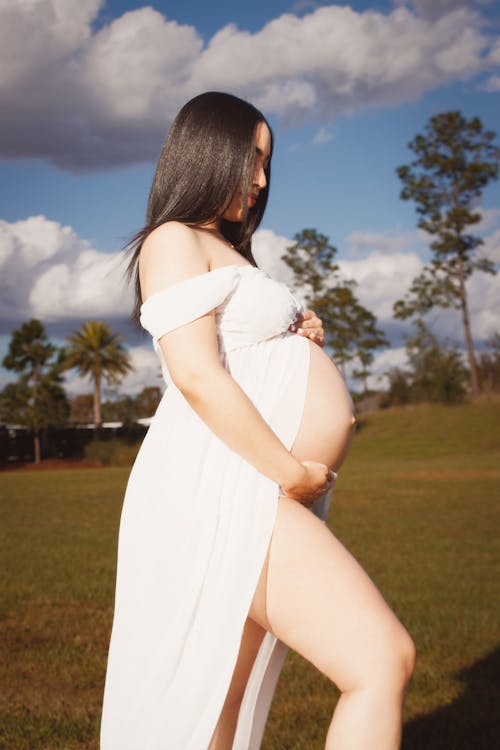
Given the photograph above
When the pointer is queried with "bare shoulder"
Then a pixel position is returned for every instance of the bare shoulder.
(171, 241)
(171, 253)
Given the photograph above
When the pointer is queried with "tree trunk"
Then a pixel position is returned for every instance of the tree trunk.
(97, 401)
(36, 445)
(36, 425)
(474, 382)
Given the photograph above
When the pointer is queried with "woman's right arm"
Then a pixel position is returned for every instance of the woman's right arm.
(192, 358)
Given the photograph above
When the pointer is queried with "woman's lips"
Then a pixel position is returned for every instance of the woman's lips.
(252, 200)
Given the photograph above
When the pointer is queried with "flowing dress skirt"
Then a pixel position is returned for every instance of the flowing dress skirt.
(195, 527)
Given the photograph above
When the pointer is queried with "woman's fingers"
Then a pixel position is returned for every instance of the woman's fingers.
(311, 326)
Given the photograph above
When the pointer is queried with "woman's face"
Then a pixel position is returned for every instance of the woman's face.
(262, 141)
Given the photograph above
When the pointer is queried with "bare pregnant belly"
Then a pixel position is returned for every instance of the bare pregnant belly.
(327, 420)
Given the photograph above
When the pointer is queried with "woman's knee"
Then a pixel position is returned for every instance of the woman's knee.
(407, 655)
(395, 662)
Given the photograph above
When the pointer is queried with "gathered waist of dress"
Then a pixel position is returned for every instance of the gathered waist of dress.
(255, 353)
(227, 345)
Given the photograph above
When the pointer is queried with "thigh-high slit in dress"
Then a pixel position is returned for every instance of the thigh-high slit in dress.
(195, 527)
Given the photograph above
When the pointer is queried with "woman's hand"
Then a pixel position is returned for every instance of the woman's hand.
(313, 482)
(308, 324)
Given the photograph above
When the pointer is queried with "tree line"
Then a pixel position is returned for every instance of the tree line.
(38, 399)
(455, 159)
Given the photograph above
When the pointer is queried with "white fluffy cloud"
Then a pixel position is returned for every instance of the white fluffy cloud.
(382, 279)
(47, 271)
(138, 60)
(491, 247)
(86, 98)
(146, 370)
(268, 248)
(384, 361)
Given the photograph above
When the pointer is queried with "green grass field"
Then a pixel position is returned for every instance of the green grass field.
(417, 502)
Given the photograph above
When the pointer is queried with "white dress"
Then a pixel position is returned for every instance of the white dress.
(196, 523)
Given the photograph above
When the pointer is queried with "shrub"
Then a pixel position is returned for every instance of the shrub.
(111, 452)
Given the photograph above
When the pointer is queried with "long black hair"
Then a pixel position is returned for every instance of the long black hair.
(207, 157)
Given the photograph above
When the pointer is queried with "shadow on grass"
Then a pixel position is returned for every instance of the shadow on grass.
(472, 722)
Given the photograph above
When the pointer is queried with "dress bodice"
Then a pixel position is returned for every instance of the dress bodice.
(249, 306)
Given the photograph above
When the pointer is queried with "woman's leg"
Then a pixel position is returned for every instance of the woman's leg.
(223, 736)
(315, 597)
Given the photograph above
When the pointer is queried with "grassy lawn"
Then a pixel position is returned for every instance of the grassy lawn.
(417, 502)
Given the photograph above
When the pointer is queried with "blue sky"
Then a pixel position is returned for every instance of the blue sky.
(90, 97)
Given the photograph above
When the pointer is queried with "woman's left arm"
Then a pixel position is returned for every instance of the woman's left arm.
(308, 324)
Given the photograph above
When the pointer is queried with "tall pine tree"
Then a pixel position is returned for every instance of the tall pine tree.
(455, 159)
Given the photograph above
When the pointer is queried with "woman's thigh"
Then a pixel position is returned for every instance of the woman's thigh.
(315, 597)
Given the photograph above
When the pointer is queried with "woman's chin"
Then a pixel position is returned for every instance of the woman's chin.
(234, 219)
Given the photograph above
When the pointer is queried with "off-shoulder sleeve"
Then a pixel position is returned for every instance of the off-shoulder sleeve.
(187, 300)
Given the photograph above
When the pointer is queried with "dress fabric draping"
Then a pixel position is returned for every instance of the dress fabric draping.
(196, 523)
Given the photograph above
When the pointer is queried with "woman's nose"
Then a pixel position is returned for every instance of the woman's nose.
(259, 178)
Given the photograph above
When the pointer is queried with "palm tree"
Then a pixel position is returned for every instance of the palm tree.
(96, 351)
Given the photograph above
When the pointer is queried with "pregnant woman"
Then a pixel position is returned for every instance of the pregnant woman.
(219, 554)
